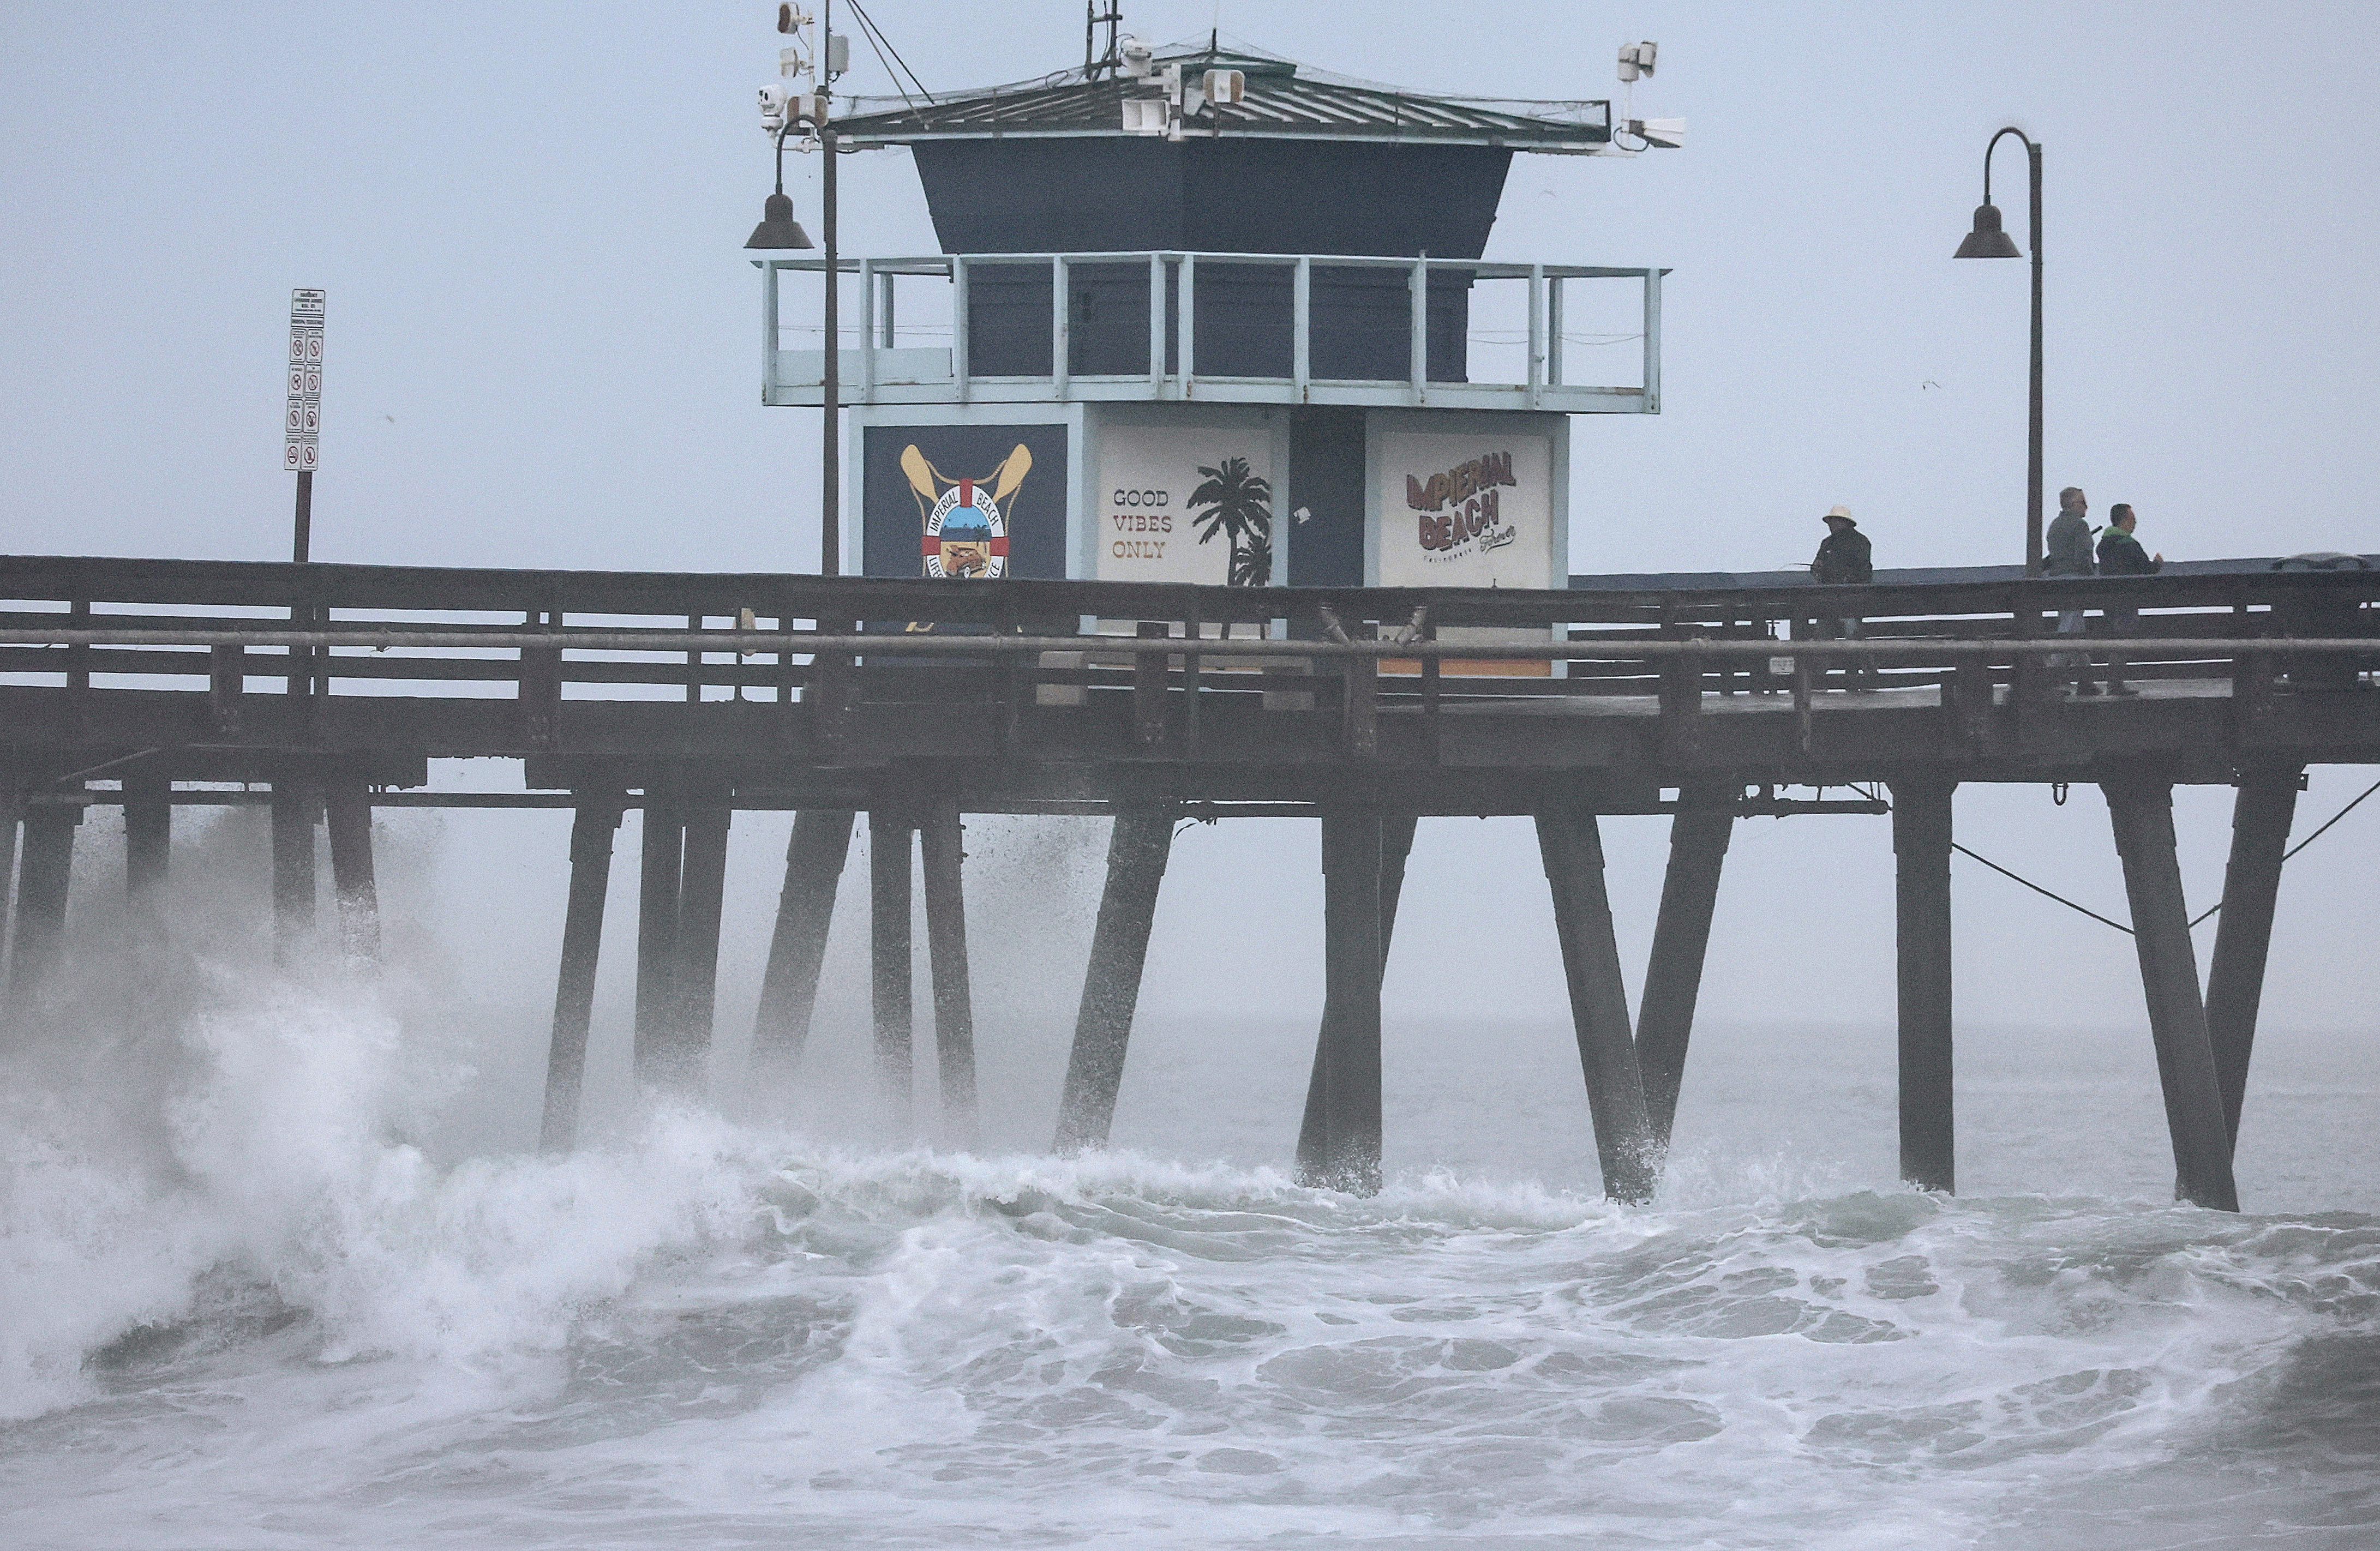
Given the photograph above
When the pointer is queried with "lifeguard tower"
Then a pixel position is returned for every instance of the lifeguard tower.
(1207, 315)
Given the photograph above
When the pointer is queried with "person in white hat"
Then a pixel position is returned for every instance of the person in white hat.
(1845, 558)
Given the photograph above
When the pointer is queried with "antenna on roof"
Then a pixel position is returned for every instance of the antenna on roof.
(1095, 63)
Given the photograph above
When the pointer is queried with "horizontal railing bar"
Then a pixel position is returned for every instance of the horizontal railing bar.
(930, 265)
(923, 644)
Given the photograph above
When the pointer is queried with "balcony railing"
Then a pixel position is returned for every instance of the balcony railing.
(1233, 328)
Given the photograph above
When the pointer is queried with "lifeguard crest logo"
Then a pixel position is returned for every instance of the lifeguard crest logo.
(965, 520)
(1461, 511)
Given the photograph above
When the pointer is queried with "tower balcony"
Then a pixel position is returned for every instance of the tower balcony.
(1220, 328)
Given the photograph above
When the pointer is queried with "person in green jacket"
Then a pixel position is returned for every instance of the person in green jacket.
(2121, 554)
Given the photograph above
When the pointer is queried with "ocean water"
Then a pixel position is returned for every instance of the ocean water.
(260, 1287)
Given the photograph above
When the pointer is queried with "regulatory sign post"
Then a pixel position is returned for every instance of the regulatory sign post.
(302, 447)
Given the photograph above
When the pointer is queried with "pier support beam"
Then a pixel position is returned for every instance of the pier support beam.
(148, 839)
(295, 809)
(1137, 851)
(2141, 810)
(889, 955)
(1572, 847)
(659, 879)
(43, 882)
(1921, 849)
(1396, 848)
(814, 855)
(1350, 1150)
(2261, 816)
(349, 815)
(702, 885)
(942, 842)
(591, 828)
(1673, 973)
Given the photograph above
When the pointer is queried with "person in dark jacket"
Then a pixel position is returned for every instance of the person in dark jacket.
(1844, 558)
(2121, 554)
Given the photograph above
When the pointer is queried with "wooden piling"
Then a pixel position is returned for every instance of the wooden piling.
(2261, 816)
(1673, 974)
(815, 853)
(941, 841)
(1396, 847)
(148, 838)
(659, 882)
(591, 828)
(1350, 1149)
(1572, 847)
(702, 884)
(889, 960)
(348, 817)
(1137, 851)
(2140, 811)
(295, 809)
(1921, 848)
(42, 882)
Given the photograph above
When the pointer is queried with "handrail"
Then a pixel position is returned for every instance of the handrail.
(926, 644)
(1541, 378)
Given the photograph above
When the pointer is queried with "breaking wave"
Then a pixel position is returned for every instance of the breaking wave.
(241, 1304)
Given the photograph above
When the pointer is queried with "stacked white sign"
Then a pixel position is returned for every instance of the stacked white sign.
(301, 450)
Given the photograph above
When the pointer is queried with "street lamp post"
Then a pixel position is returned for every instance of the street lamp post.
(1988, 240)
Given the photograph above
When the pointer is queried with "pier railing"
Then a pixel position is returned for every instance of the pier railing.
(222, 633)
(1311, 318)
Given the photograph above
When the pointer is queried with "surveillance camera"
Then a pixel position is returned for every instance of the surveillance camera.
(773, 99)
(1140, 59)
(1637, 59)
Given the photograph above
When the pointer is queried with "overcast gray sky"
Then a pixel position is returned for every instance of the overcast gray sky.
(542, 351)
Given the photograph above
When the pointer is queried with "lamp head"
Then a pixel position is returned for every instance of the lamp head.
(778, 228)
(1988, 240)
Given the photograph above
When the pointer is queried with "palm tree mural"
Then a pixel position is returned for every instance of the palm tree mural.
(1238, 505)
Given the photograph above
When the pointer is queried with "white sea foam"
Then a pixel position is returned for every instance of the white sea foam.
(244, 1301)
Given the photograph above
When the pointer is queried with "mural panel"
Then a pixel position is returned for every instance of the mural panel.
(972, 502)
(1466, 510)
(1185, 503)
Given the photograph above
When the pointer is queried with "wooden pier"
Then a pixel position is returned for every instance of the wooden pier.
(155, 684)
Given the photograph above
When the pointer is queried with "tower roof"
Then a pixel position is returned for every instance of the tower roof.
(1286, 100)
